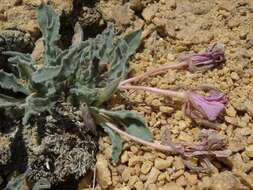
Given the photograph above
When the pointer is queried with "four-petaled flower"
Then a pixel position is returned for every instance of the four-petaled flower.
(205, 107)
(204, 61)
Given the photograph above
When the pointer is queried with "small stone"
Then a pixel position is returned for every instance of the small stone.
(132, 181)
(122, 14)
(162, 164)
(179, 163)
(124, 157)
(151, 187)
(139, 185)
(231, 111)
(225, 181)
(136, 5)
(249, 151)
(122, 188)
(133, 160)
(146, 166)
(246, 179)
(103, 173)
(166, 109)
(249, 107)
(152, 176)
(149, 12)
(235, 76)
(126, 174)
(181, 181)
(192, 179)
(171, 186)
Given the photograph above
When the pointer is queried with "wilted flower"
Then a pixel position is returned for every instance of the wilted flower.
(206, 60)
(205, 107)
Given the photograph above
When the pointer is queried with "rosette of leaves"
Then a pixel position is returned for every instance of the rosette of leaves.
(88, 73)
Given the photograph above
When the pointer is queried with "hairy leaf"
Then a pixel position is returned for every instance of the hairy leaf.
(10, 82)
(36, 105)
(8, 101)
(132, 123)
(116, 142)
(18, 183)
(42, 184)
(49, 24)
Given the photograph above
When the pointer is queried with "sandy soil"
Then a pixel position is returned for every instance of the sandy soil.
(172, 28)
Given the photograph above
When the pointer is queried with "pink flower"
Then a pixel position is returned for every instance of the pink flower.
(203, 61)
(205, 107)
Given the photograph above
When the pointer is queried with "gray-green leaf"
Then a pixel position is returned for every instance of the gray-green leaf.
(10, 82)
(131, 122)
(116, 142)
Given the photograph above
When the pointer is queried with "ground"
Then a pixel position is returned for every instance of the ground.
(172, 28)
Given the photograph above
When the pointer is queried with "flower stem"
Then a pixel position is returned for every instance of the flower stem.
(156, 146)
(170, 93)
(155, 71)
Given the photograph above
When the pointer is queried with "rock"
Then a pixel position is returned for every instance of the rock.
(179, 163)
(152, 176)
(162, 164)
(151, 187)
(122, 14)
(13, 40)
(89, 17)
(122, 188)
(149, 12)
(22, 16)
(146, 166)
(124, 157)
(61, 7)
(136, 5)
(249, 107)
(132, 181)
(133, 160)
(139, 185)
(249, 151)
(166, 109)
(171, 186)
(226, 181)
(126, 174)
(192, 179)
(103, 173)
(246, 179)
(234, 76)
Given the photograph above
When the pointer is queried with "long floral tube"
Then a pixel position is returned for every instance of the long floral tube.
(194, 62)
(154, 72)
(156, 146)
(185, 149)
(170, 93)
(196, 106)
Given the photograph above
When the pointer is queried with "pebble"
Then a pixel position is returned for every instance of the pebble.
(124, 157)
(235, 76)
(225, 181)
(171, 186)
(133, 160)
(126, 174)
(146, 167)
(139, 185)
(162, 164)
(152, 176)
(149, 12)
(249, 151)
(103, 173)
(179, 163)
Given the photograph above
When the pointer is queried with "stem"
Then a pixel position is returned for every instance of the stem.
(140, 141)
(154, 71)
(170, 93)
